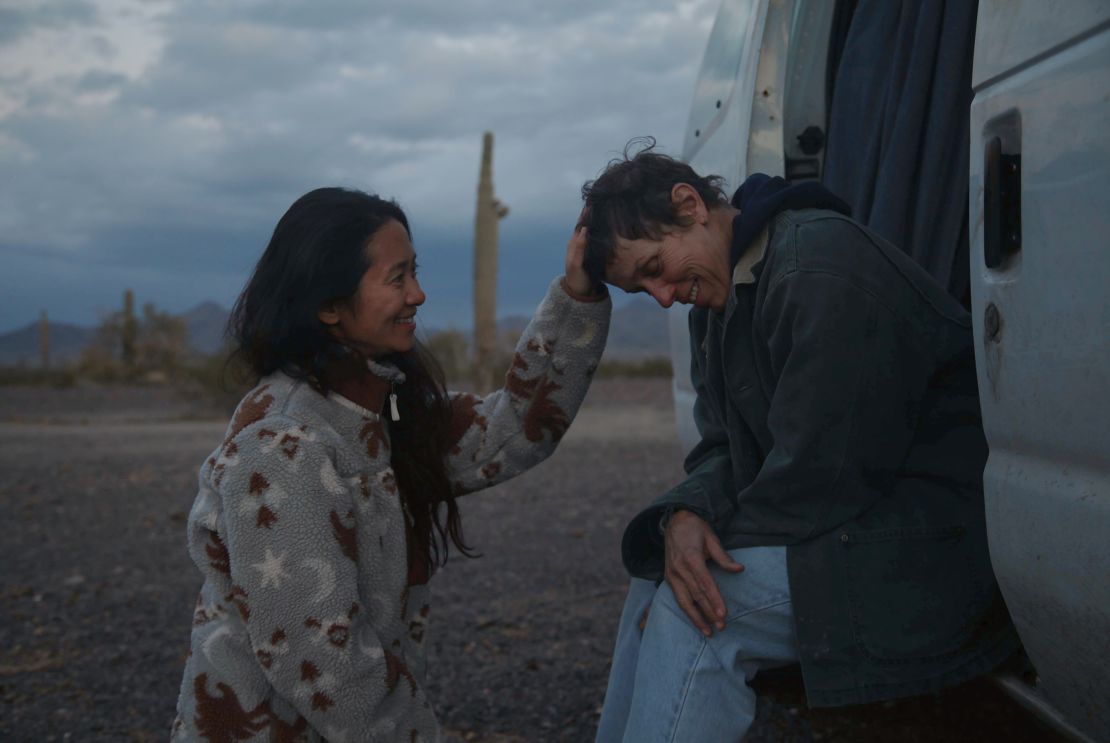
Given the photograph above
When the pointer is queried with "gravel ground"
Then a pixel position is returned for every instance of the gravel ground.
(96, 591)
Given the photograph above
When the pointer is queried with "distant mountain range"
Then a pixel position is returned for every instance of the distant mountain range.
(637, 330)
(203, 323)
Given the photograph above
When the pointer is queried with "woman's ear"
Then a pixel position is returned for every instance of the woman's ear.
(688, 204)
(328, 314)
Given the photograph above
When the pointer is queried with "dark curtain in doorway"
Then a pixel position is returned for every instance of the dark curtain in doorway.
(898, 126)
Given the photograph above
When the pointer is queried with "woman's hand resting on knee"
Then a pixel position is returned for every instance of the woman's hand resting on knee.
(690, 543)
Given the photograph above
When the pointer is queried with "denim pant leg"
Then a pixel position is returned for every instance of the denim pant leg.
(671, 684)
(626, 653)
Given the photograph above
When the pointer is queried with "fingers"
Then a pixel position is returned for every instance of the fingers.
(708, 596)
(697, 592)
(720, 556)
(689, 605)
(644, 618)
(705, 578)
(577, 280)
(576, 246)
(689, 543)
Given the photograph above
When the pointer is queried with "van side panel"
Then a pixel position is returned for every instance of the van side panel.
(1022, 30)
(1042, 325)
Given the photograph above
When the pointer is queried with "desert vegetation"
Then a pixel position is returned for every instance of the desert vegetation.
(148, 346)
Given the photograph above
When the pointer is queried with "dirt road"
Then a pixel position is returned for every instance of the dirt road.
(96, 590)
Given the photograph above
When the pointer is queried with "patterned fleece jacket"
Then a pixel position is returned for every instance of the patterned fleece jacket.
(308, 625)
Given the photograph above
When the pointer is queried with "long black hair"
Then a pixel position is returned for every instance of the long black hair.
(317, 255)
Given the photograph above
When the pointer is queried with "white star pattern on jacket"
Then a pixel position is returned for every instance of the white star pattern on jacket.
(272, 569)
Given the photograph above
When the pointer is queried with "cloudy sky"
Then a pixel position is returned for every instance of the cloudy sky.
(153, 144)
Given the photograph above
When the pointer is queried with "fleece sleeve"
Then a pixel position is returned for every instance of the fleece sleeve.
(291, 546)
(504, 433)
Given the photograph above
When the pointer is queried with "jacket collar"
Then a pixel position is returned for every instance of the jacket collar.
(761, 197)
(742, 272)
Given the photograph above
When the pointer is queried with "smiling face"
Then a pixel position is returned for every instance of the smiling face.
(380, 318)
(689, 265)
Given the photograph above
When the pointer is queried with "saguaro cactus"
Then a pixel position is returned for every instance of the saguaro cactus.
(44, 341)
(489, 212)
(129, 329)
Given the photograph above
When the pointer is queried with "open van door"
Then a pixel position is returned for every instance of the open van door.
(719, 123)
(760, 88)
(1040, 282)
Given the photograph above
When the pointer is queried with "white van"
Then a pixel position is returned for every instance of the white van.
(1035, 270)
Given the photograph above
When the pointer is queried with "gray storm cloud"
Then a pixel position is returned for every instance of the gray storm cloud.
(154, 142)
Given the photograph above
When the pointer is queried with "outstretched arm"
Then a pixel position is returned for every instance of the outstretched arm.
(504, 433)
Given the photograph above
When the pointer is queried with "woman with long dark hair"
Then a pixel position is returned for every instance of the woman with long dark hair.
(331, 500)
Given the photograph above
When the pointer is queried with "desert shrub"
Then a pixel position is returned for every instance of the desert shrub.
(503, 353)
(153, 348)
(220, 378)
(452, 350)
(24, 376)
(659, 366)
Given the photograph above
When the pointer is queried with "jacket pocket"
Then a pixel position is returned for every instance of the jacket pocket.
(915, 593)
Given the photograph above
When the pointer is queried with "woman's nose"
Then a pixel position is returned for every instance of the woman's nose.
(416, 295)
(661, 293)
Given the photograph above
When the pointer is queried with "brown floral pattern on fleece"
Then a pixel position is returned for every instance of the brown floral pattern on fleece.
(308, 625)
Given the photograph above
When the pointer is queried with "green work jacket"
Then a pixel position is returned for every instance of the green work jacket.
(839, 416)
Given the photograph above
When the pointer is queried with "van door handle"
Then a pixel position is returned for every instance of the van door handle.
(1001, 204)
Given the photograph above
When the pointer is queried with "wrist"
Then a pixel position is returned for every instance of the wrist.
(670, 513)
(588, 296)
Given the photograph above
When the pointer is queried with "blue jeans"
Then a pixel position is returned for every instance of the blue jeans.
(671, 684)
